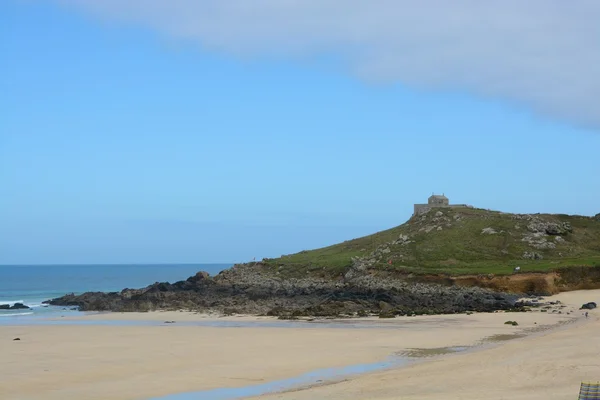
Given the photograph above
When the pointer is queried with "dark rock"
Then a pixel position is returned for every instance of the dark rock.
(387, 314)
(15, 306)
(521, 304)
(199, 277)
(250, 289)
(16, 339)
(384, 306)
(588, 306)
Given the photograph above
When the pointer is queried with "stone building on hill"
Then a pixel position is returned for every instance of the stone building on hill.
(436, 200)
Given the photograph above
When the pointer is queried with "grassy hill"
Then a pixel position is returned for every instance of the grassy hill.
(458, 241)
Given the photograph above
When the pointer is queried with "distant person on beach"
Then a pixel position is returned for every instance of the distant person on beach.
(586, 314)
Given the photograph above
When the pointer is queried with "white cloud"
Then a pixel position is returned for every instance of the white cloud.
(544, 54)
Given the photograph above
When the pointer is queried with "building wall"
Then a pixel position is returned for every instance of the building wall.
(438, 201)
(421, 209)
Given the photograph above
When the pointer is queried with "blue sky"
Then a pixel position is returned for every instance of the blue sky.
(122, 144)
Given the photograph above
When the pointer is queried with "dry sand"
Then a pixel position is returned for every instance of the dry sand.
(134, 362)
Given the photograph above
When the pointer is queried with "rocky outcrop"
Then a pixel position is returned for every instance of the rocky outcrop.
(549, 228)
(250, 289)
(360, 265)
(538, 241)
(541, 233)
(532, 255)
(15, 306)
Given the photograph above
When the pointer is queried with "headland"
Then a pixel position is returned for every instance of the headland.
(443, 260)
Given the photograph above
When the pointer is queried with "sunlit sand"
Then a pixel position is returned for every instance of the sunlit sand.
(140, 362)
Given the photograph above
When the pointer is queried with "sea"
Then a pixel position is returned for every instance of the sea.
(33, 284)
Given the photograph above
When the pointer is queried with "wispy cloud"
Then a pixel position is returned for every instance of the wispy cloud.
(543, 54)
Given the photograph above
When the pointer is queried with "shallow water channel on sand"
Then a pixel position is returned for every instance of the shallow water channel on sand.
(311, 378)
(331, 375)
(316, 377)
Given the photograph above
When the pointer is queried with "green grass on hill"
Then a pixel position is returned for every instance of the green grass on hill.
(451, 241)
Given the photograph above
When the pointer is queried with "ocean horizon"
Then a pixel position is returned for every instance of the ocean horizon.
(33, 284)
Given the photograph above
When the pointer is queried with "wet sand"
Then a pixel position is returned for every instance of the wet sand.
(139, 362)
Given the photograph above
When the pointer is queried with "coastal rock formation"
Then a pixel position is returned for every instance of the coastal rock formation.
(15, 306)
(444, 259)
(249, 289)
(588, 306)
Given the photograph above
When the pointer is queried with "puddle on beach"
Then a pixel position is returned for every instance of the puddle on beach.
(527, 331)
(320, 376)
(502, 337)
(311, 378)
(439, 351)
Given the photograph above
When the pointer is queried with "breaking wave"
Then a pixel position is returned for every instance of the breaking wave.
(15, 314)
(11, 302)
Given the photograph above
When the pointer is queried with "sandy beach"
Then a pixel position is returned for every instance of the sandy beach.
(547, 366)
(140, 362)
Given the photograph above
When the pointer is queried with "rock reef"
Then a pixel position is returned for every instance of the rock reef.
(15, 306)
(250, 289)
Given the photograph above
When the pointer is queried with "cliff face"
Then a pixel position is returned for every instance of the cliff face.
(553, 282)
